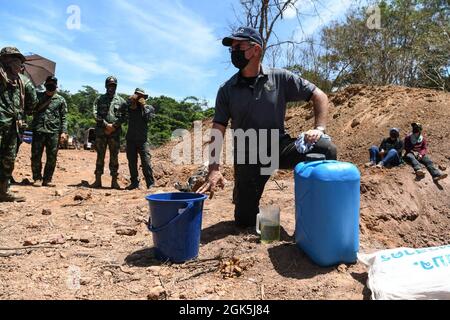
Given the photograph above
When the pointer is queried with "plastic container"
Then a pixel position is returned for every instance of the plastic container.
(176, 223)
(327, 199)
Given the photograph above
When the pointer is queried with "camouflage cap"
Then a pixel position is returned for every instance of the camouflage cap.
(12, 51)
(141, 92)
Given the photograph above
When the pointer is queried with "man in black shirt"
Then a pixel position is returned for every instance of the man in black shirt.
(255, 99)
(138, 114)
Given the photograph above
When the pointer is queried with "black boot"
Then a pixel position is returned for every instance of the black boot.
(115, 184)
(133, 186)
(98, 182)
(48, 183)
(6, 196)
(150, 184)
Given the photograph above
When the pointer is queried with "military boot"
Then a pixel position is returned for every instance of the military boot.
(132, 186)
(48, 183)
(98, 182)
(115, 184)
(6, 196)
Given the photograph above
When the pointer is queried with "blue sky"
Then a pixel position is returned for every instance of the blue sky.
(168, 47)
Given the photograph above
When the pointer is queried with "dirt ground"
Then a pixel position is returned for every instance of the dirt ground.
(100, 236)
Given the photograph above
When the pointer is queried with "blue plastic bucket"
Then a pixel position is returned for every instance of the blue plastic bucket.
(176, 223)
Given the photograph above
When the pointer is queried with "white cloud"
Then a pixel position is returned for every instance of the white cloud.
(171, 23)
(38, 26)
(137, 73)
(85, 61)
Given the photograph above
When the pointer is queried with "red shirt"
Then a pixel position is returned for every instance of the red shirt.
(421, 147)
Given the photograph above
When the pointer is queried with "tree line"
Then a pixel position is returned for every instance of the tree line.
(170, 114)
(410, 47)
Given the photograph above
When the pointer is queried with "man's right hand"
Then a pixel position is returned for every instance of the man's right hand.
(214, 180)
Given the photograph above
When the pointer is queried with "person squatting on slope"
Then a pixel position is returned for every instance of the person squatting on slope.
(416, 154)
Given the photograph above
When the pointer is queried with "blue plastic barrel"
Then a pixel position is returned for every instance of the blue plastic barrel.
(327, 198)
(176, 223)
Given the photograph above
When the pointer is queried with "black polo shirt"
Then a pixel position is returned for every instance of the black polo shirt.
(263, 104)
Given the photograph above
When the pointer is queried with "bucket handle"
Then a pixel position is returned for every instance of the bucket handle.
(175, 219)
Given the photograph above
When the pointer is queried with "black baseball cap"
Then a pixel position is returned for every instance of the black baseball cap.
(417, 126)
(395, 130)
(51, 79)
(243, 33)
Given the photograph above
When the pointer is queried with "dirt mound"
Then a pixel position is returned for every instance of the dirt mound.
(361, 115)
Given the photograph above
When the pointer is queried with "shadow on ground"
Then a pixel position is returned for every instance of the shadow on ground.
(289, 261)
(142, 258)
(362, 278)
(228, 228)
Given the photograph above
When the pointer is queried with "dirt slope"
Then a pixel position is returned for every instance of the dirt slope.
(88, 233)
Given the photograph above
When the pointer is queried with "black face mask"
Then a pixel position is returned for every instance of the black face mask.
(111, 90)
(51, 87)
(238, 59)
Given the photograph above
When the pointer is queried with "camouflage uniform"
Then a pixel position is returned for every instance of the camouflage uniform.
(11, 111)
(137, 141)
(108, 111)
(48, 124)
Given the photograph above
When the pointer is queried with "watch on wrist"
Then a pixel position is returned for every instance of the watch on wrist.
(320, 128)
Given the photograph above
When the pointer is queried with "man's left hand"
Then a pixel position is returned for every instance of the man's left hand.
(312, 136)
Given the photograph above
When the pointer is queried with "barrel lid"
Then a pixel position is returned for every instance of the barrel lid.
(315, 157)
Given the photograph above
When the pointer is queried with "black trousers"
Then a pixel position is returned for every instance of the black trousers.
(134, 149)
(249, 183)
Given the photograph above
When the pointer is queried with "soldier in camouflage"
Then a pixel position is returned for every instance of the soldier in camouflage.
(138, 114)
(49, 128)
(108, 113)
(17, 97)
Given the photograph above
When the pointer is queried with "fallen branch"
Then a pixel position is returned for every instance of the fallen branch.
(72, 205)
(197, 274)
(27, 248)
(278, 185)
(198, 261)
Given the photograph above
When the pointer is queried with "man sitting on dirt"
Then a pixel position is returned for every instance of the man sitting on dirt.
(416, 148)
(255, 100)
(389, 153)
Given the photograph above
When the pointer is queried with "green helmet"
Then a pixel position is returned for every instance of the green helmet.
(12, 51)
(109, 80)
